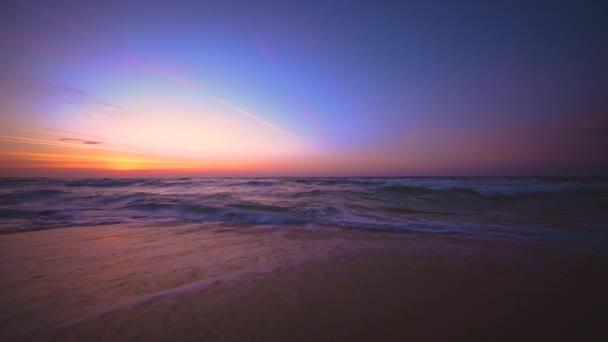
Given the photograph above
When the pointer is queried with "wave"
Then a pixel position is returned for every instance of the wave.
(405, 189)
(260, 207)
(393, 204)
(498, 193)
(16, 197)
(106, 182)
(259, 183)
(404, 210)
(315, 192)
(180, 207)
(15, 213)
(321, 181)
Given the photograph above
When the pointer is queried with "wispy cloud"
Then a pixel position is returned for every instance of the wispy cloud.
(85, 136)
(80, 93)
(80, 136)
(60, 92)
(25, 140)
(86, 142)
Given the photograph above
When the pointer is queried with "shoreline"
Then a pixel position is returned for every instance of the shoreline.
(296, 284)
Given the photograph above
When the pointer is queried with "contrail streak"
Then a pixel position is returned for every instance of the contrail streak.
(246, 113)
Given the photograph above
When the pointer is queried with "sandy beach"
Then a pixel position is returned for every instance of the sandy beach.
(190, 283)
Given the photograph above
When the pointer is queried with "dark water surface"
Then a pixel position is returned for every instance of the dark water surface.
(571, 208)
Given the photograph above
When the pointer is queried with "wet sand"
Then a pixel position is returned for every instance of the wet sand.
(190, 283)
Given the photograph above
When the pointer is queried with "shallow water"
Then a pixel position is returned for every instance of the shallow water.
(59, 278)
(266, 283)
(570, 208)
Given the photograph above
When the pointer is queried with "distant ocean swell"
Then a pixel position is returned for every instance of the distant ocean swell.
(512, 206)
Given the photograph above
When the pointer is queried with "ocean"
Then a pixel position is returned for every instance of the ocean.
(303, 259)
(525, 207)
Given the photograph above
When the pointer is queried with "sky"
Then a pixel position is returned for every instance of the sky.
(303, 88)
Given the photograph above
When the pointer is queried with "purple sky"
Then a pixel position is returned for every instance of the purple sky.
(303, 88)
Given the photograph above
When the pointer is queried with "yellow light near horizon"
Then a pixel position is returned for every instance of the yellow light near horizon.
(127, 163)
(123, 164)
(103, 160)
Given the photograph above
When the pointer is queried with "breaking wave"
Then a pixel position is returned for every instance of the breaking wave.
(443, 204)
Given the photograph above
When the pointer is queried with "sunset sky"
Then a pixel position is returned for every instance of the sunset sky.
(105, 88)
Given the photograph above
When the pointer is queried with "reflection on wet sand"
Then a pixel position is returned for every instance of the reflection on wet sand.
(192, 282)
